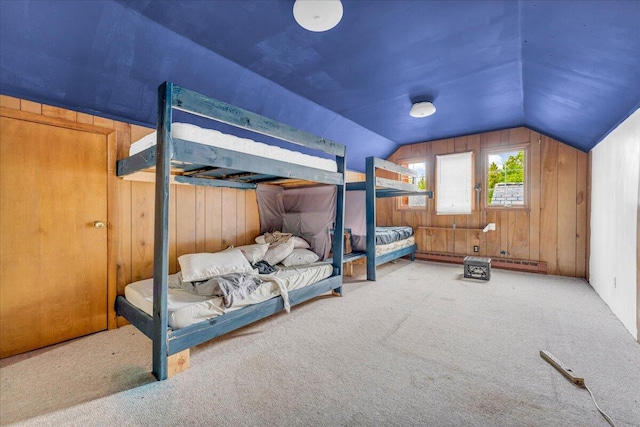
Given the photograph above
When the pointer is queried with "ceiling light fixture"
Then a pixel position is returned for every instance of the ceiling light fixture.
(317, 15)
(422, 109)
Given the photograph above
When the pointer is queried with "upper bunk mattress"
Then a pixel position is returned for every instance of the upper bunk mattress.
(189, 132)
(186, 308)
(386, 235)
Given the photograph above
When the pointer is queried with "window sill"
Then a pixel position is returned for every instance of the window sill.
(411, 208)
(449, 228)
(507, 208)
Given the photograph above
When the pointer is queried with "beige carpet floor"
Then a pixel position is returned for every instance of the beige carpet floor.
(422, 346)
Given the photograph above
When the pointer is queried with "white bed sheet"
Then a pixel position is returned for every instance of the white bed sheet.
(186, 308)
(216, 138)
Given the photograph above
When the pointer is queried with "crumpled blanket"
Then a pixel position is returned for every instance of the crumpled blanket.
(264, 267)
(235, 287)
(231, 287)
(284, 293)
(276, 237)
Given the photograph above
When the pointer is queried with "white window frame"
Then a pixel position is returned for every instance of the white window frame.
(485, 177)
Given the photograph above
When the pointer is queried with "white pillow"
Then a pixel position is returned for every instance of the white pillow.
(204, 266)
(300, 243)
(254, 253)
(175, 281)
(300, 257)
(277, 253)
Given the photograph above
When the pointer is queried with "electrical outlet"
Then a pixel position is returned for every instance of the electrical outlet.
(476, 248)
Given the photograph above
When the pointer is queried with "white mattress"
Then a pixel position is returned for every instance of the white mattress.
(186, 308)
(383, 249)
(215, 138)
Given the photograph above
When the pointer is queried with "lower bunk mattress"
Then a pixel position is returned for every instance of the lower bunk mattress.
(187, 308)
(387, 235)
(400, 244)
(384, 236)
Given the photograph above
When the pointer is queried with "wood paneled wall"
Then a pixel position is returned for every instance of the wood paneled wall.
(554, 227)
(351, 176)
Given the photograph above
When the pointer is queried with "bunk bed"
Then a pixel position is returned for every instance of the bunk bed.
(378, 248)
(199, 163)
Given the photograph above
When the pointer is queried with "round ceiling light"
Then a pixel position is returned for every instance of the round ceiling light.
(317, 15)
(422, 109)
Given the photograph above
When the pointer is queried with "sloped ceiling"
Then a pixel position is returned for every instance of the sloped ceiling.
(569, 69)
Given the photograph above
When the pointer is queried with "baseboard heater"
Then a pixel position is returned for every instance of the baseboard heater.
(539, 267)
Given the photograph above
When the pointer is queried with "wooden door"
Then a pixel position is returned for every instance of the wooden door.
(53, 258)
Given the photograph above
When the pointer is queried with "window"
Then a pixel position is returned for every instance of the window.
(506, 177)
(454, 173)
(419, 166)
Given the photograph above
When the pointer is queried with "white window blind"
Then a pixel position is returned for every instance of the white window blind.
(454, 183)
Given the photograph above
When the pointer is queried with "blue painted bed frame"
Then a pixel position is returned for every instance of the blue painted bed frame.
(239, 170)
(376, 187)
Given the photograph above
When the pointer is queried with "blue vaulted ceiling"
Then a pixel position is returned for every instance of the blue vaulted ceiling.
(569, 69)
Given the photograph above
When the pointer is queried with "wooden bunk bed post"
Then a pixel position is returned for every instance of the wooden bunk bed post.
(161, 233)
(338, 233)
(370, 197)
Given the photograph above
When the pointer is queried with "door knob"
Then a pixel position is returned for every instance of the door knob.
(98, 224)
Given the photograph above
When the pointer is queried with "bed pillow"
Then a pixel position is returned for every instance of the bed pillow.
(300, 243)
(175, 281)
(300, 257)
(277, 253)
(204, 266)
(254, 253)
